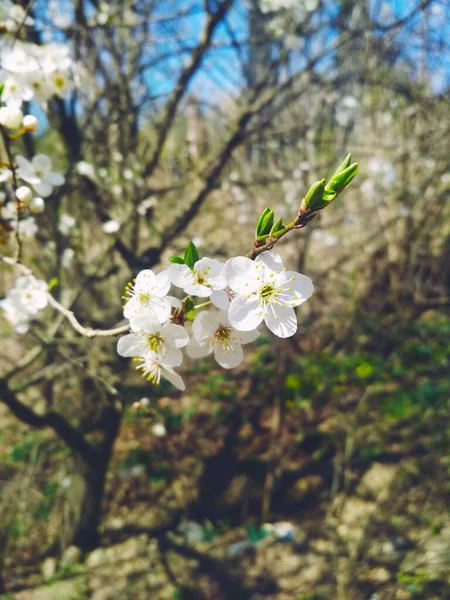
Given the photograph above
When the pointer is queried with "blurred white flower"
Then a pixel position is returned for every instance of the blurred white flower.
(159, 430)
(11, 117)
(67, 258)
(39, 173)
(111, 226)
(86, 169)
(66, 224)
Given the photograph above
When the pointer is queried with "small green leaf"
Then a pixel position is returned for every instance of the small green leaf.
(314, 198)
(177, 260)
(54, 282)
(191, 256)
(343, 165)
(277, 227)
(265, 223)
(189, 304)
(2, 87)
(190, 315)
(343, 179)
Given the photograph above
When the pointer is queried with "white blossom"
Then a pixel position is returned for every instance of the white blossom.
(30, 123)
(147, 295)
(37, 205)
(11, 117)
(15, 316)
(24, 194)
(153, 367)
(66, 224)
(159, 430)
(29, 294)
(202, 280)
(213, 333)
(265, 291)
(39, 174)
(149, 335)
(111, 226)
(67, 257)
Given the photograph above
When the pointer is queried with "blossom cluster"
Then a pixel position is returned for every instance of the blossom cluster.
(242, 294)
(24, 301)
(28, 73)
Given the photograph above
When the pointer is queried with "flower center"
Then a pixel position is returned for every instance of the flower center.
(268, 293)
(155, 342)
(39, 172)
(144, 298)
(59, 82)
(151, 369)
(223, 336)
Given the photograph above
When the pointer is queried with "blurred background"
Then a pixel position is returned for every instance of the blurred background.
(319, 468)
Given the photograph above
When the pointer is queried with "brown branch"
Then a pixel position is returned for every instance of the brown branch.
(63, 429)
(183, 82)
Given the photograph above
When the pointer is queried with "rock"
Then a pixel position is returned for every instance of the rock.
(403, 595)
(379, 575)
(304, 487)
(71, 556)
(130, 549)
(354, 518)
(430, 559)
(236, 492)
(73, 589)
(377, 481)
(48, 568)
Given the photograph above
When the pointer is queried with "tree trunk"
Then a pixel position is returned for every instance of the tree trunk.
(87, 498)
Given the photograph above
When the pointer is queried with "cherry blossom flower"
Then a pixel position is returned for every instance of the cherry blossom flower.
(66, 224)
(265, 291)
(15, 316)
(146, 295)
(203, 280)
(39, 173)
(29, 294)
(149, 335)
(213, 333)
(153, 367)
(11, 117)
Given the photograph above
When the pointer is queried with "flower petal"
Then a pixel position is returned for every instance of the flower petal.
(180, 275)
(283, 323)
(160, 308)
(162, 284)
(246, 337)
(56, 178)
(300, 287)
(173, 357)
(145, 323)
(197, 289)
(228, 358)
(241, 275)
(272, 260)
(43, 188)
(42, 162)
(220, 299)
(175, 335)
(173, 378)
(196, 350)
(145, 280)
(205, 325)
(131, 345)
(245, 313)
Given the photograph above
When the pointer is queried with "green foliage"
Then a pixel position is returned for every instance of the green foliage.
(43, 510)
(177, 260)
(264, 225)
(191, 256)
(23, 452)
